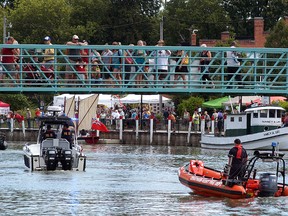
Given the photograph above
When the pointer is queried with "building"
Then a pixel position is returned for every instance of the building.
(258, 41)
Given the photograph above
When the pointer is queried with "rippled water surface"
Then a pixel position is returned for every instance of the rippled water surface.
(120, 180)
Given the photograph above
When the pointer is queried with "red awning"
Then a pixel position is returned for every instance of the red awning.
(2, 104)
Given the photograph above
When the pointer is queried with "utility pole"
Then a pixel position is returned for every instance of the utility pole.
(161, 28)
(4, 29)
(162, 22)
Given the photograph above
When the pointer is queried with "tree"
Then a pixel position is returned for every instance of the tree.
(184, 16)
(16, 101)
(88, 20)
(33, 20)
(7, 3)
(190, 104)
(242, 12)
(131, 20)
(278, 37)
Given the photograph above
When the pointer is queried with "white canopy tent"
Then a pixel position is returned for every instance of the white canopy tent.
(151, 99)
(107, 100)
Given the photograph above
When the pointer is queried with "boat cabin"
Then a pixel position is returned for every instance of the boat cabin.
(253, 120)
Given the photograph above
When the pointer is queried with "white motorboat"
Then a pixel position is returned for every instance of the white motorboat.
(257, 127)
(54, 153)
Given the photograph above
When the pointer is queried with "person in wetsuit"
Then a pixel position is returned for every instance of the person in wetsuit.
(66, 134)
(239, 158)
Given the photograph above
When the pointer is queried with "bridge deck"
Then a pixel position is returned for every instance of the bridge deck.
(263, 70)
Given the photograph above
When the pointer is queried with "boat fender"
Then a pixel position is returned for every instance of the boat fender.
(267, 185)
(196, 167)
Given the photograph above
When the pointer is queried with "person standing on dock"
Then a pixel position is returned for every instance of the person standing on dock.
(196, 120)
(28, 117)
(220, 122)
(237, 159)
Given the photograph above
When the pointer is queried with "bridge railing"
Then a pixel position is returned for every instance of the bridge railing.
(142, 69)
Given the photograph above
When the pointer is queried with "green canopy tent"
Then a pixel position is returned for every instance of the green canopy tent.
(216, 103)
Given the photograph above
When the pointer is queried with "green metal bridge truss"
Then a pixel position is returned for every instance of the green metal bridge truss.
(263, 71)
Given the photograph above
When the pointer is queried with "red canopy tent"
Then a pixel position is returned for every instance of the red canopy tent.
(4, 108)
(2, 104)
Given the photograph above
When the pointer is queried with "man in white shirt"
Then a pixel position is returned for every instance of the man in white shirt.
(233, 64)
(161, 61)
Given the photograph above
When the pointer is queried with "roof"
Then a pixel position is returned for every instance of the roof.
(56, 120)
(252, 109)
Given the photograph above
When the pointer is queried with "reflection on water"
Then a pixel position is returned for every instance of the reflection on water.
(120, 180)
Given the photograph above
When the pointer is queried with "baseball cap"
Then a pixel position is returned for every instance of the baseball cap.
(47, 38)
(75, 37)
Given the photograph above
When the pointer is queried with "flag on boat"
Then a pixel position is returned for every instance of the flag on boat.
(98, 125)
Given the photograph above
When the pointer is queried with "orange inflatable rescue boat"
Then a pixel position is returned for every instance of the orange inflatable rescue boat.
(209, 182)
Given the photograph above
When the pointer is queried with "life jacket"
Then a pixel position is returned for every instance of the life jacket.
(239, 151)
(66, 134)
(49, 134)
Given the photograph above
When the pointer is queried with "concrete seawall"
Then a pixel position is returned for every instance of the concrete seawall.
(129, 137)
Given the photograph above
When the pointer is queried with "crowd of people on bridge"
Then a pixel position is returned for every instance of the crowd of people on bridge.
(138, 67)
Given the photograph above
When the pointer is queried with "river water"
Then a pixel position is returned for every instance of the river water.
(120, 180)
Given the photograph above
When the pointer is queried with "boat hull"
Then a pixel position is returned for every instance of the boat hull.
(34, 161)
(3, 145)
(212, 183)
(256, 141)
(206, 186)
(90, 139)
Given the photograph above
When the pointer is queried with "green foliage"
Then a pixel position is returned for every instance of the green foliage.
(33, 20)
(283, 104)
(241, 12)
(278, 37)
(136, 17)
(190, 104)
(16, 101)
(182, 17)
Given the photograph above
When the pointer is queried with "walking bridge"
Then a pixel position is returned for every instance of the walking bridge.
(263, 71)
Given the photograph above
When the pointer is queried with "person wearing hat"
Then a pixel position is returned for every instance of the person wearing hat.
(48, 54)
(204, 68)
(161, 61)
(237, 159)
(9, 59)
(233, 65)
(73, 55)
(28, 117)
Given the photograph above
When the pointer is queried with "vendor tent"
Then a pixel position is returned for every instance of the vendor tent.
(4, 108)
(216, 103)
(150, 99)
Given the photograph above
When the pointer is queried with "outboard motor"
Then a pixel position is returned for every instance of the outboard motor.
(267, 185)
(50, 159)
(66, 159)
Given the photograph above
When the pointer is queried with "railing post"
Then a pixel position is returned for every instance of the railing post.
(189, 130)
(169, 131)
(151, 130)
